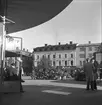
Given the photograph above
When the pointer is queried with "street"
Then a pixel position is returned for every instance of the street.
(51, 92)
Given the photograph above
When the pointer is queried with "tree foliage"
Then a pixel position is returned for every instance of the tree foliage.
(44, 63)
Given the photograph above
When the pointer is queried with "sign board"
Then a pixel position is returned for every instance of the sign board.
(13, 43)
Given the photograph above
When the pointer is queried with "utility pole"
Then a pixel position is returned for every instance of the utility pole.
(2, 49)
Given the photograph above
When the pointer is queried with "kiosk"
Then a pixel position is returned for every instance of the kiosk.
(8, 84)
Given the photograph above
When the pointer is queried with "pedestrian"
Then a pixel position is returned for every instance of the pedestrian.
(88, 68)
(100, 69)
(12, 72)
(33, 74)
(95, 68)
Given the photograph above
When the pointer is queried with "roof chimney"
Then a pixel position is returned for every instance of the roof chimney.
(89, 42)
(45, 44)
(59, 43)
(71, 42)
(23, 49)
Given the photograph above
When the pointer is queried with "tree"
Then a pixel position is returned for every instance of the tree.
(27, 64)
(44, 63)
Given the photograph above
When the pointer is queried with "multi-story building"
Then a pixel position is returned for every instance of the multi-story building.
(84, 51)
(60, 55)
(66, 54)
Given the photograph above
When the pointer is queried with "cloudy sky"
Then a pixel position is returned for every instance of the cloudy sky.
(79, 22)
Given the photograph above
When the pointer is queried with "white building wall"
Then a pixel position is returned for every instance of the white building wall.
(87, 52)
(57, 59)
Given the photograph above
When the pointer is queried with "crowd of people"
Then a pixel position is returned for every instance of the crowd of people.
(50, 73)
(91, 69)
(91, 72)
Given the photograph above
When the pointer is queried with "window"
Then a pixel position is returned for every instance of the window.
(59, 63)
(96, 49)
(65, 63)
(82, 49)
(80, 63)
(48, 56)
(65, 55)
(71, 55)
(43, 56)
(82, 55)
(90, 55)
(59, 55)
(90, 48)
(54, 56)
(83, 62)
(37, 56)
(71, 63)
(53, 63)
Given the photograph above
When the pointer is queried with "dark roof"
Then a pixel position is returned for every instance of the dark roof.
(12, 54)
(16, 54)
(55, 47)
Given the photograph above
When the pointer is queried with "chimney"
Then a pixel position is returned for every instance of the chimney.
(89, 42)
(71, 42)
(59, 43)
(23, 49)
(45, 44)
(17, 48)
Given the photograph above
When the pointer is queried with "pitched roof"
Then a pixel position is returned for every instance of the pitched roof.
(55, 47)
(86, 45)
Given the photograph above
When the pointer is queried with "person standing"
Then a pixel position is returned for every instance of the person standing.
(95, 67)
(88, 68)
(100, 69)
(33, 74)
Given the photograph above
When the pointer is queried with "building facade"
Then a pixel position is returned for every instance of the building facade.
(84, 51)
(59, 55)
(66, 54)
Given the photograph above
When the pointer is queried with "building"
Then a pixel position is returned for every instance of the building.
(60, 55)
(84, 51)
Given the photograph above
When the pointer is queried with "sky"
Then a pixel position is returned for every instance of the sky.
(80, 22)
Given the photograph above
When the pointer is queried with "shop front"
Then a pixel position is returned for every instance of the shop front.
(11, 75)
